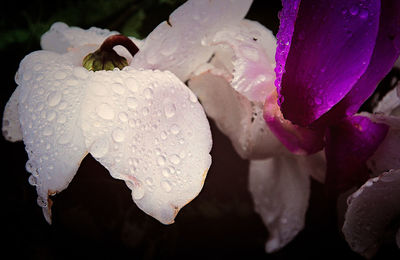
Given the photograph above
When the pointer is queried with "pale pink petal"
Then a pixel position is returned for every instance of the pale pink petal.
(251, 61)
(373, 212)
(49, 111)
(280, 187)
(390, 104)
(11, 127)
(178, 44)
(60, 38)
(237, 117)
(148, 129)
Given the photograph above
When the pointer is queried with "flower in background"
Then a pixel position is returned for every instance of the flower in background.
(330, 58)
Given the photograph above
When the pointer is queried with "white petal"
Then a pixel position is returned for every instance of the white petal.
(390, 104)
(49, 107)
(61, 37)
(387, 156)
(253, 58)
(241, 120)
(148, 129)
(280, 187)
(11, 127)
(177, 45)
(373, 210)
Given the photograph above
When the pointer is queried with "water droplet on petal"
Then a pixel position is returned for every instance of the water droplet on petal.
(169, 110)
(175, 129)
(166, 186)
(41, 202)
(132, 102)
(165, 172)
(32, 180)
(118, 88)
(175, 159)
(145, 111)
(137, 192)
(118, 135)
(61, 119)
(161, 160)
(192, 97)
(354, 10)
(47, 131)
(60, 75)
(105, 111)
(54, 98)
(148, 93)
(99, 148)
(51, 115)
(123, 117)
(164, 135)
(149, 181)
(80, 72)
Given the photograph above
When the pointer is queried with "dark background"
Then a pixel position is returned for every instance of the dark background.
(95, 216)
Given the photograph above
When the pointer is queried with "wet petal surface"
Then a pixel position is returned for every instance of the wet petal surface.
(178, 45)
(373, 212)
(11, 126)
(280, 187)
(148, 129)
(345, 39)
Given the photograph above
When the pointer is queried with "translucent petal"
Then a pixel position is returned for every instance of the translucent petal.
(148, 129)
(178, 45)
(237, 117)
(61, 37)
(280, 187)
(49, 109)
(373, 212)
(252, 61)
(11, 127)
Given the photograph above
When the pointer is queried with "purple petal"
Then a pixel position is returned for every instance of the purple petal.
(386, 51)
(330, 48)
(297, 139)
(349, 144)
(373, 212)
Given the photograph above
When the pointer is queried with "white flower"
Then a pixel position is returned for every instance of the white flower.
(145, 126)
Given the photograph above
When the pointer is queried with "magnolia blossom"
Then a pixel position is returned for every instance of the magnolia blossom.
(144, 125)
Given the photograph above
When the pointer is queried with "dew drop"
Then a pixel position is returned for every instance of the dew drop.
(61, 119)
(137, 192)
(161, 160)
(51, 115)
(118, 88)
(54, 98)
(131, 83)
(166, 186)
(47, 131)
(149, 181)
(164, 135)
(123, 117)
(100, 148)
(118, 135)
(145, 111)
(148, 93)
(169, 110)
(175, 159)
(132, 102)
(60, 75)
(192, 97)
(175, 129)
(105, 111)
(354, 10)
(165, 172)
(32, 180)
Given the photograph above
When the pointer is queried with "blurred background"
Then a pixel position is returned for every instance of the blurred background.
(95, 216)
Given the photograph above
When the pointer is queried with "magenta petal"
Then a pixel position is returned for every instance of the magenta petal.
(386, 51)
(349, 144)
(330, 49)
(297, 139)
